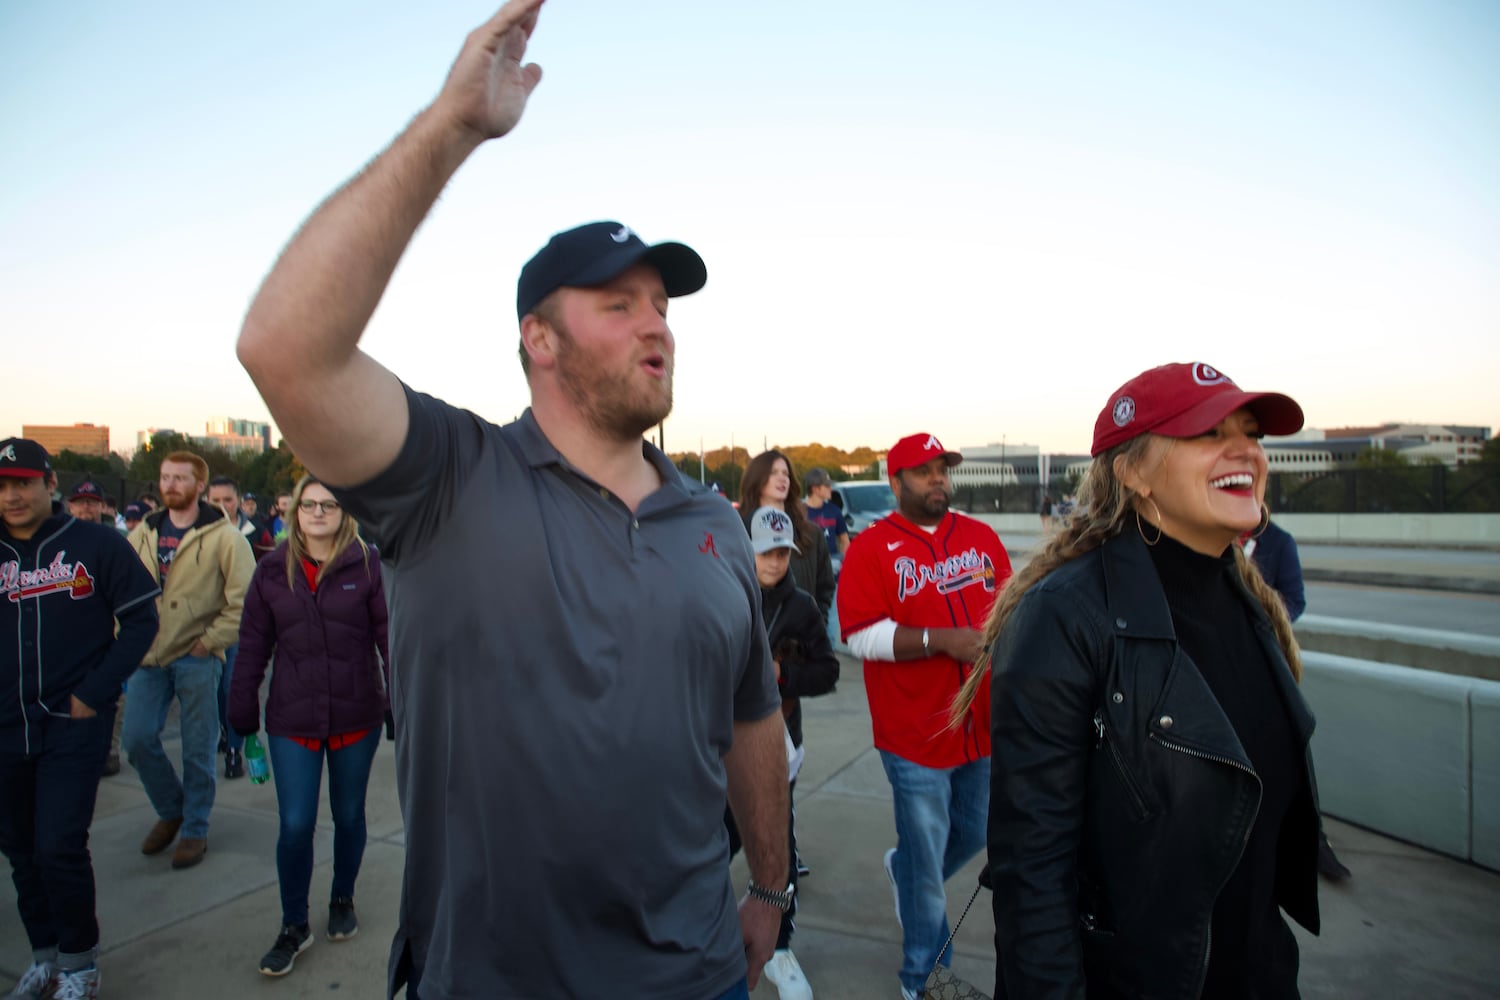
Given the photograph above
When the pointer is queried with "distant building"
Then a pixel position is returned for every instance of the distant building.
(143, 438)
(232, 434)
(1314, 450)
(81, 439)
(1009, 465)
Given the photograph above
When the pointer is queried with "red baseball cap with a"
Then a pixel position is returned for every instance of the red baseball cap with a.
(918, 449)
(1184, 400)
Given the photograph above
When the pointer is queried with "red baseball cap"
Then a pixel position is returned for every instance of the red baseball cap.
(1184, 400)
(918, 449)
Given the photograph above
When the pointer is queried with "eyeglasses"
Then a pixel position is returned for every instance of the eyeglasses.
(326, 506)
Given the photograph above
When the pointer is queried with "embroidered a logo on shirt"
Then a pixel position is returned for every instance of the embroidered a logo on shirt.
(20, 584)
(708, 547)
(948, 575)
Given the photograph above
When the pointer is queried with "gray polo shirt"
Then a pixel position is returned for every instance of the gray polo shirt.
(566, 676)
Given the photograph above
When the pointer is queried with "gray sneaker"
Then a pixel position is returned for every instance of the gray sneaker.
(80, 984)
(35, 983)
(342, 923)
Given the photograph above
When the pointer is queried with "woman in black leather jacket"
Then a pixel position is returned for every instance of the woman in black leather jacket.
(1152, 803)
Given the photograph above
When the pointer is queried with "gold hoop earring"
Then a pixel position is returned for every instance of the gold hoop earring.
(1265, 520)
(1140, 528)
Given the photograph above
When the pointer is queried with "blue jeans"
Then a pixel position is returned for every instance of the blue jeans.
(232, 739)
(298, 773)
(941, 816)
(194, 682)
(46, 808)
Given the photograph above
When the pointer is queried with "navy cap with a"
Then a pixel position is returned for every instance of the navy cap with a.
(24, 458)
(594, 253)
(87, 488)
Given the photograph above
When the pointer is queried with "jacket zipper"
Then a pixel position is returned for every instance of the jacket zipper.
(1131, 787)
(1208, 943)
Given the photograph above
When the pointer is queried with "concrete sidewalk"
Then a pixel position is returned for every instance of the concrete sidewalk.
(1409, 924)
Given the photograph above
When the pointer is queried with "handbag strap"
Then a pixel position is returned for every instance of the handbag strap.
(954, 933)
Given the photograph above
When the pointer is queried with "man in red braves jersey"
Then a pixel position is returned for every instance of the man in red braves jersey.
(916, 588)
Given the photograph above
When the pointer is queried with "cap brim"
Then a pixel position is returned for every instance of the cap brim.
(762, 548)
(682, 270)
(22, 473)
(1276, 414)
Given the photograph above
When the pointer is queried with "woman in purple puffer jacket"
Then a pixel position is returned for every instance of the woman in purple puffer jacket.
(317, 604)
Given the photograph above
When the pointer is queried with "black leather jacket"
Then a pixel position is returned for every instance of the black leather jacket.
(1121, 798)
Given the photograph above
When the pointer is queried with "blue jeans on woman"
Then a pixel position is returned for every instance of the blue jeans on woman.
(298, 775)
(941, 817)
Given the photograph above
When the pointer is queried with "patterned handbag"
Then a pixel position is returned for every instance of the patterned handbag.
(942, 984)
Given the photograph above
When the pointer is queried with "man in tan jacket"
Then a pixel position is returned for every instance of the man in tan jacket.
(203, 566)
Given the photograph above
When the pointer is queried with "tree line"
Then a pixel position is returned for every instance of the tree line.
(726, 466)
(264, 473)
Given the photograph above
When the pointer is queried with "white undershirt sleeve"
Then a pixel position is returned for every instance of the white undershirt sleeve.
(878, 642)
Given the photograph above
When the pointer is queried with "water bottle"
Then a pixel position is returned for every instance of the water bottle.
(255, 760)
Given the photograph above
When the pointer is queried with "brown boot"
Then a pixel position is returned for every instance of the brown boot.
(190, 851)
(161, 836)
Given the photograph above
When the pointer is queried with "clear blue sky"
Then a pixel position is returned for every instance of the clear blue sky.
(974, 219)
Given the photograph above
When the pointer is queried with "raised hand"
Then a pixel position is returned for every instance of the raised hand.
(487, 87)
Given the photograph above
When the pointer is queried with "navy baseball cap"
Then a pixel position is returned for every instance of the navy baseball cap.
(23, 458)
(87, 488)
(135, 511)
(594, 253)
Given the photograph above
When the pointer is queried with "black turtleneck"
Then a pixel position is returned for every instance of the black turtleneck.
(1254, 954)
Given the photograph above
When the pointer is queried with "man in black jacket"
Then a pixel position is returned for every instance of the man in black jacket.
(66, 583)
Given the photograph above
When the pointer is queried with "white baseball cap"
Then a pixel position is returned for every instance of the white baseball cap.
(771, 528)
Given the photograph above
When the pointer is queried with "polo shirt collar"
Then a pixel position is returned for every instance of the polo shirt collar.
(538, 452)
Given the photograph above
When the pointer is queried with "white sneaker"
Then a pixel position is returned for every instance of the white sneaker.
(35, 983)
(786, 975)
(890, 873)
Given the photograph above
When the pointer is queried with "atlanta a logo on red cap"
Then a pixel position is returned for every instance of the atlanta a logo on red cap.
(1209, 375)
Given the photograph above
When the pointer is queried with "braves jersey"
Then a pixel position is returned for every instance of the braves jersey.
(946, 578)
(61, 593)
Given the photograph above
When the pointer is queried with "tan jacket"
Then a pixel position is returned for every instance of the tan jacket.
(205, 591)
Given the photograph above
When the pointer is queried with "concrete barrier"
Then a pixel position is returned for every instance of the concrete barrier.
(1484, 706)
(1461, 653)
(1411, 753)
(1480, 531)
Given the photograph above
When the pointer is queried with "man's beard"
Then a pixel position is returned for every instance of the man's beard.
(608, 401)
(179, 501)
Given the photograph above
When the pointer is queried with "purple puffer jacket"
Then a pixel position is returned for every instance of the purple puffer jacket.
(328, 679)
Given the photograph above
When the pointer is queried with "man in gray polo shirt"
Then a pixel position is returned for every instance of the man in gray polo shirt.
(580, 672)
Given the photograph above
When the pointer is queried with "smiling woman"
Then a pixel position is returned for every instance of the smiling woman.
(1155, 799)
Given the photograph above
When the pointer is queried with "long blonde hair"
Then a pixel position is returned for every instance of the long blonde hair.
(1105, 507)
(296, 541)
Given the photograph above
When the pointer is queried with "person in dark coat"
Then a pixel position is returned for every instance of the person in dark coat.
(805, 666)
(317, 603)
(1153, 806)
(1275, 555)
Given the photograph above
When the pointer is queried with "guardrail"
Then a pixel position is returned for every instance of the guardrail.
(1411, 753)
